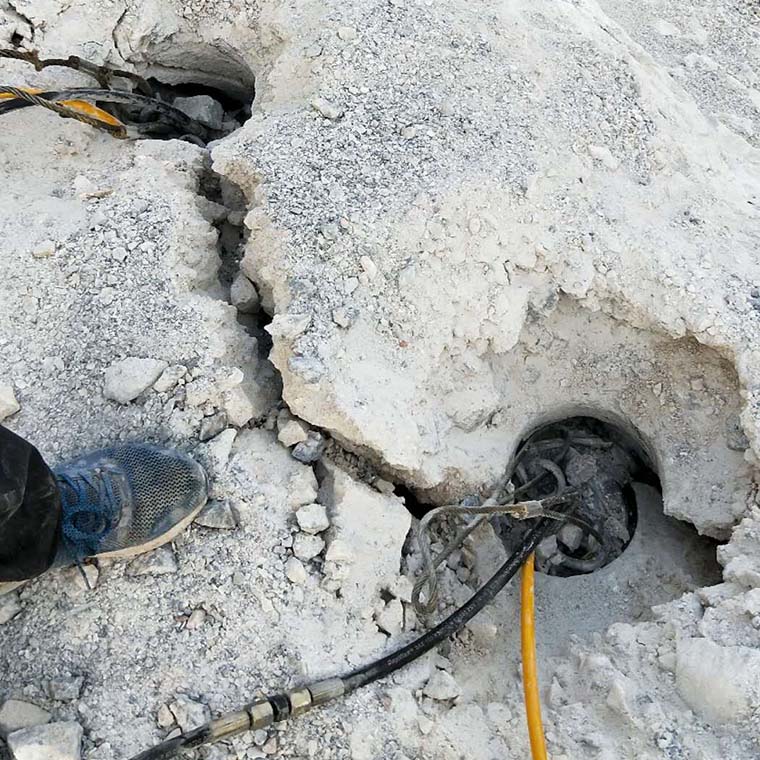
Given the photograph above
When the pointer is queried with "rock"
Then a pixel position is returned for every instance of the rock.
(402, 588)
(721, 684)
(369, 267)
(212, 426)
(188, 713)
(546, 549)
(202, 108)
(311, 449)
(483, 632)
(219, 515)
(238, 406)
(302, 488)
(15, 715)
(54, 741)
(441, 686)
(571, 536)
(8, 403)
(344, 317)
(165, 717)
(84, 577)
(339, 551)
(313, 518)
(364, 523)
(243, 295)
(65, 688)
(125, 380)
(160, 561)
(44, 250)
(215, 454)
(306, 547)
(293, 432)
(391, 619)
(196, 620)
(326, 108)
(295, 571)
(10, 606)
(169, 378)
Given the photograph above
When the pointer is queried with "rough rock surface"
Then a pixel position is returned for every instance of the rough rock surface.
(465, 220)
(55, 741)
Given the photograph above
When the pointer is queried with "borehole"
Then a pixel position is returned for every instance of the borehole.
(193, 111)
(618, 497)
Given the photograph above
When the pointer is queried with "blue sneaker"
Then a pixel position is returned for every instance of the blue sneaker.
(125, 500)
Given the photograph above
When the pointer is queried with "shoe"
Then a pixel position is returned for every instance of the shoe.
(126, 500)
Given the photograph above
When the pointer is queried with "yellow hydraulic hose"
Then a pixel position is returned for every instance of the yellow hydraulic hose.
(530, 676)
(80, 106)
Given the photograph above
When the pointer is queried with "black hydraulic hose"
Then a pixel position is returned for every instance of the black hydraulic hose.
(264, 711)
(456, 621)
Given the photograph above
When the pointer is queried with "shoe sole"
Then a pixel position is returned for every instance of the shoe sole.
(164, 538)
(7, 586)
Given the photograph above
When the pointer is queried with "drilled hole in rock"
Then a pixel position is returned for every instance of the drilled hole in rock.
(212, 101)
(619, 505)
(192, 112)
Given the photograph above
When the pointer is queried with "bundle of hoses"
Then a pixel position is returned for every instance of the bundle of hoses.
(93, 106)
(268, 710)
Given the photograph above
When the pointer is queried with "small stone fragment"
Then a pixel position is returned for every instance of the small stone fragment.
(391, 619)
(720, 683)
(54, 741)
(402, 588)
(9, 607)
(243, 295)
(125, 380)
(344, 317)
(295, 571)
(196, 620)
(306, 547)
(339, 551)
(160, 561)
(441, 686)
(571, 536)
(65, 688)
(15, 715)
(169, 378)
(238, 406)
(84, 577)
(217, 514)
(8, 403)
(483, 632)
(44, 250)
(546, 549)
(311, 449)
(347, 33)
(188, 713)
(212, 426)
(326, 108)
(165, 717)
(293, 432)
(202, 108)
(369, 267)
(215, 454)
(313, 518)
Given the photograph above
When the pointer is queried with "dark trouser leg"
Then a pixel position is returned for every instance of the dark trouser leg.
(30, 510)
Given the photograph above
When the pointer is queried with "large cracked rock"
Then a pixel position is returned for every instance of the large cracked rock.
(455, 252)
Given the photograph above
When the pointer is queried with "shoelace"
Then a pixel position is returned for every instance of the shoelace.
(89, 505)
